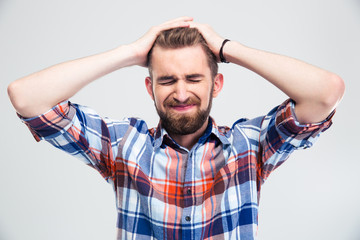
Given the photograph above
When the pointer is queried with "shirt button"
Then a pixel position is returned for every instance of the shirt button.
(188, 218)
(188, 191)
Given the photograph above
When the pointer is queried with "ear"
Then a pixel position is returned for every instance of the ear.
(218, 84)
(149, 88)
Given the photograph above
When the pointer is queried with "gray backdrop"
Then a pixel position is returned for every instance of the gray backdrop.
(47, 194)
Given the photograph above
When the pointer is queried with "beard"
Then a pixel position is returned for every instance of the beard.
(183, 124)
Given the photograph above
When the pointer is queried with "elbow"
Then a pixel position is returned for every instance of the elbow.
(334, 91)
(12, 90)
(16, 94)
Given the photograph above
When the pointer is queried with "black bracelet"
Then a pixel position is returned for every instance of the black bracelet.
(221, 55)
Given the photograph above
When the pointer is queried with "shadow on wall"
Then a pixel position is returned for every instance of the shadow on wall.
(2, 236)
(357, 2)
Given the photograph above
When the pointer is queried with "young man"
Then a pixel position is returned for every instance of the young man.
(187, 178)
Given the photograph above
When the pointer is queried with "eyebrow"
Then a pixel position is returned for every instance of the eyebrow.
(195, 75)
(166, 77)
(172, 77)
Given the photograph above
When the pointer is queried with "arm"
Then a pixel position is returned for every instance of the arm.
(38, 92)
(315, 91)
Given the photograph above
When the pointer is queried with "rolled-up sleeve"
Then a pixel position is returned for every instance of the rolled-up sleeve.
(54, 122)
(281, 134)
(298, 135)
(77, 130)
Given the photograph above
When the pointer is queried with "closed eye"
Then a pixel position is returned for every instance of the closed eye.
(166, 80)
(194, 78)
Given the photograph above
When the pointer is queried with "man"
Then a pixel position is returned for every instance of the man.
(187, 178)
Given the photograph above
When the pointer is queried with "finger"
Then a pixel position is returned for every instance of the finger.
(201, 27)
(176, 21)
(178, 24)
(195, 25)
(171, 25)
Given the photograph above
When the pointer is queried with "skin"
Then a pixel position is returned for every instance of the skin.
(180, 75)
(38, 92)
(315, 91)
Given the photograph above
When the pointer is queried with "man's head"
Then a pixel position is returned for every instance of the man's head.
(179, 38)
(183, 80)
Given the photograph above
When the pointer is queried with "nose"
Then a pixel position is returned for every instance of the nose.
(181, 91)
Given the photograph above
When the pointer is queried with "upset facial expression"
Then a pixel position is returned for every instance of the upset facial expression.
(182, 88)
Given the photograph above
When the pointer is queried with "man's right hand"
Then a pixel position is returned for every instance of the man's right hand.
(143, 45)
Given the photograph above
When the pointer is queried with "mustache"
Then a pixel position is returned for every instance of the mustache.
(174, 102)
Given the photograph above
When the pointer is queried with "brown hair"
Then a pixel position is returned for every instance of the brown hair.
(183, 37)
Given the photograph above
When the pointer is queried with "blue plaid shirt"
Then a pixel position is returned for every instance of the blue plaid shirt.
(164, 191)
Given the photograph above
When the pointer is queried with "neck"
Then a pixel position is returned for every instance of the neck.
(189, 140)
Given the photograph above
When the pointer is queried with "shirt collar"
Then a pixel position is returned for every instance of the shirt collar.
(212, 129)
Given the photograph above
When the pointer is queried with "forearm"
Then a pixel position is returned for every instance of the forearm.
(38, 92)
(315, 91)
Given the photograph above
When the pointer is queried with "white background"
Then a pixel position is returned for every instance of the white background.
(47, 194)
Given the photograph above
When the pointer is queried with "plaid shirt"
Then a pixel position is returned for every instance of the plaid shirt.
(165, 191)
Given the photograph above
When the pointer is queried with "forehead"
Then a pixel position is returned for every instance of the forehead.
(186, 60)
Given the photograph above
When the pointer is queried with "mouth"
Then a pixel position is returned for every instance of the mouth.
(183, 107)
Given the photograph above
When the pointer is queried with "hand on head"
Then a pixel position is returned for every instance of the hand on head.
(143, 45)
(213, 39)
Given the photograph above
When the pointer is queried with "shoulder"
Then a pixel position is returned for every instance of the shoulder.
(86, 117)
(247, 126)
(138, 124)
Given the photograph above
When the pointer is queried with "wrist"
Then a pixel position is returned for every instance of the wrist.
(128, 55)
(221, 51)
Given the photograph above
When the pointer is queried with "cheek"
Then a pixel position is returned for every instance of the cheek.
(206, 95)
(159, 97)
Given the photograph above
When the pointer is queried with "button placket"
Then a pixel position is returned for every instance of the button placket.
(188, 191)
